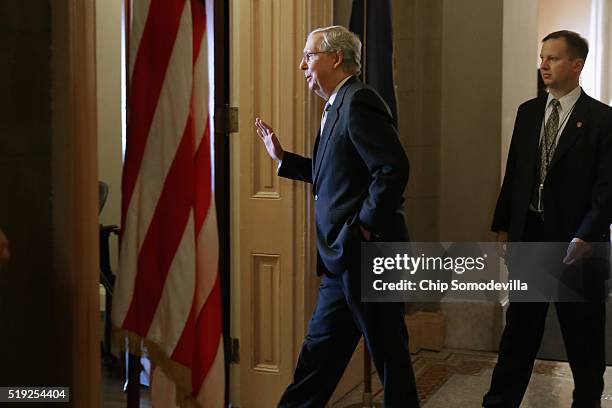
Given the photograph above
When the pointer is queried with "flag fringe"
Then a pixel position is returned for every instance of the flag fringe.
(178, 373)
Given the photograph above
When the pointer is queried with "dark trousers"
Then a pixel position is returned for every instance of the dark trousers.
(583, 329)
(336, 326)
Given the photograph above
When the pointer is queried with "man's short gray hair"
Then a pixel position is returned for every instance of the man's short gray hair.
(338, 38)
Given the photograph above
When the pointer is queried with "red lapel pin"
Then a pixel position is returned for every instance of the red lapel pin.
(579, 124)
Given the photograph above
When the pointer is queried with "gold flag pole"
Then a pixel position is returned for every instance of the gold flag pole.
(133, 364)
(366, 398)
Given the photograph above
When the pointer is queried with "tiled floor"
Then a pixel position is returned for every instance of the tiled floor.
(459, 379)
(451, 378)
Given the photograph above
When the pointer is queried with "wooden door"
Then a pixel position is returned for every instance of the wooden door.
(271, 232)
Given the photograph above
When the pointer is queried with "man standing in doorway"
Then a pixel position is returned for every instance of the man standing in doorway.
(557, 188)
(358, 172)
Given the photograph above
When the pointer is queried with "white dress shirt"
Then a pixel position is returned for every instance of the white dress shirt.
(331, 100)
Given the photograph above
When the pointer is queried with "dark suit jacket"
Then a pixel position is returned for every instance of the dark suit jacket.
(359, 171)
(578, 187)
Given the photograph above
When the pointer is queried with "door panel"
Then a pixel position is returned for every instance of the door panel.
(272, 240)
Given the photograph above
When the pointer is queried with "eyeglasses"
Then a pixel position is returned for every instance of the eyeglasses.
(309, 55)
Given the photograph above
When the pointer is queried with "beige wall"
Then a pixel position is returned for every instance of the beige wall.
(418, 56)
(556, 15)
(457, 97)
(108, 54)
(593, 20)
(487, 71)
(519, 73)
(471, 117)
(572, 15)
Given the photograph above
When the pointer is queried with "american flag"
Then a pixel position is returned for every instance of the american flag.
(168, 291)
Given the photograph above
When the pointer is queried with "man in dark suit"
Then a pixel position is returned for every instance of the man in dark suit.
(358, 172)
(557, 188)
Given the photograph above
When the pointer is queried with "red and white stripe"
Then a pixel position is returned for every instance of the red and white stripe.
(168, 289)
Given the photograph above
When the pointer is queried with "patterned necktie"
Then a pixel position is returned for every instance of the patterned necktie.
(546, 150)
(547, 147)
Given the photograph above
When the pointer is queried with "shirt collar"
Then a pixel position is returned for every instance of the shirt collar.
(332, 98)
(568, 100)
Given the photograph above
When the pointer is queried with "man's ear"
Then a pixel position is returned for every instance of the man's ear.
(578, 65)
(339, 60)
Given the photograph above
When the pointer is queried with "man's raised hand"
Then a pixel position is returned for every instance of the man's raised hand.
(268, 137)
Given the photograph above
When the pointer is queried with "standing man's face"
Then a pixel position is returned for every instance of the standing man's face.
(558, 69)
(318, 67)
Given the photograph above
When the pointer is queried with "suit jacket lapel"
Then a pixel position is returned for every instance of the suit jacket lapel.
(573, 129)
(535, 129)
(315, 149)
(330, 123)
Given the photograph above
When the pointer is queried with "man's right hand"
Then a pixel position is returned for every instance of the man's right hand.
(268, 137)
(502, 240)
(5, 254)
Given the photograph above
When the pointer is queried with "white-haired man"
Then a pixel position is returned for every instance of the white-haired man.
(358, 172)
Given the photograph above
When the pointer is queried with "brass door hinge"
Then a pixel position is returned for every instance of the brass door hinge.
(227, 119)
(234, 350)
